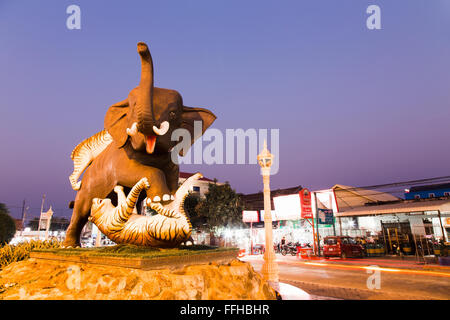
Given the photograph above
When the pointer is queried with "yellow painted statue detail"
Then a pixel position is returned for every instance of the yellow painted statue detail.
(85, 152)
(168, 228)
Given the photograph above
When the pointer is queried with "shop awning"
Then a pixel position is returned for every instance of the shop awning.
(351, 197)
(401, 207)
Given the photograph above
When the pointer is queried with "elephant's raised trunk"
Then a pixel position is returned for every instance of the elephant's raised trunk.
(144, 103)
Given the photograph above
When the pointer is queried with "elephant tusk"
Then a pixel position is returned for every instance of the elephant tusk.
(133, 130)
(163, 128)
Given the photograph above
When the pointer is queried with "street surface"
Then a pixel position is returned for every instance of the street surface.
(368, 278)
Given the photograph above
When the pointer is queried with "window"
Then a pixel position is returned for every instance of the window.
(431, 195)
(417, 196)
(196, 189)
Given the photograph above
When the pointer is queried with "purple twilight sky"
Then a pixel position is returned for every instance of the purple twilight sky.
(354, 106)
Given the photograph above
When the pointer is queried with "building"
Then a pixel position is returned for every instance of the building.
(428, 191)
(357, 212)
(255, 201)
(19, 224)
(393, 222)
(286, 223)
(200, 186)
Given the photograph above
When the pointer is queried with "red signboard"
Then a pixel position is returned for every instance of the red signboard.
(305, 204)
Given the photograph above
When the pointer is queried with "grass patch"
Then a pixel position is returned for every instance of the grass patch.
(21, 251)
(131, 251)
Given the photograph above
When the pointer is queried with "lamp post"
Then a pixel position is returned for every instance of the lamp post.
(270, 267)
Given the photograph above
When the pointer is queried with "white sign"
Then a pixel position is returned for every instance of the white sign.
(250, 216)
(287, 207)
(274, 216)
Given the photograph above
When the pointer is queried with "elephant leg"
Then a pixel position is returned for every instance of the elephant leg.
(79, 218)
(156, 178)
(92, 187)
(172, 177)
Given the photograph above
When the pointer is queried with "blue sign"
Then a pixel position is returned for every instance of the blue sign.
(325, 216)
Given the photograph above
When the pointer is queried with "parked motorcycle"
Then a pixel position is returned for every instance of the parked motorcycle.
(276, 248)
(290, 248)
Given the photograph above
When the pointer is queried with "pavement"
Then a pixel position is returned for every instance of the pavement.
(292, 292)
(400, 279)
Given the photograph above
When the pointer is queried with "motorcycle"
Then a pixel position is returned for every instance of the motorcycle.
(276, 248)
(290, 248)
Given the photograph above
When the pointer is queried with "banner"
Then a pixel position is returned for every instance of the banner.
(325, 216)
(274, 215)
(287, 207)
(305, 204)
(250, 216)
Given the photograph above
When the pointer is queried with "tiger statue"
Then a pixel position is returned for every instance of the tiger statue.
(85, 152)
(167, 228)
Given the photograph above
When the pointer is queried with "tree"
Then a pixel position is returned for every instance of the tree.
(221, 207)
(7, 225)
(190, 204)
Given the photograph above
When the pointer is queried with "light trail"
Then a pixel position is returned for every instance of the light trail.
(406, 271)
(355, 267)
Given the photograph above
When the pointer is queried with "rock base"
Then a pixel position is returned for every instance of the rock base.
(55, 280)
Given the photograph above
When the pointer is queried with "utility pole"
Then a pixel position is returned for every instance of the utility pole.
(442, 227)
(23, 216)
(334, 218)
(317, 224)
(42, 209)
(251, 238)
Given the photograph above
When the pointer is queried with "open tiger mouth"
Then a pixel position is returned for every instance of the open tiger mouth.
(150, 143)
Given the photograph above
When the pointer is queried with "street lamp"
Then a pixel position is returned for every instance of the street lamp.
(270, 267)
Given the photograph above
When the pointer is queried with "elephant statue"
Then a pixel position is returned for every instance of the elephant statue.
(135, 143)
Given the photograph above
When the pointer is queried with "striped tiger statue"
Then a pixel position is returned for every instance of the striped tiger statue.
(168, 228)
(85, 152)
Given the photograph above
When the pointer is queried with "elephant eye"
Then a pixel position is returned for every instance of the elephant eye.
(172, 115)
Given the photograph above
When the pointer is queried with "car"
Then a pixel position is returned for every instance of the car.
(340, 246)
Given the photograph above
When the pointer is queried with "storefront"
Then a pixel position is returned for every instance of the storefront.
(289, 219)
(380, 217)
(413, 223)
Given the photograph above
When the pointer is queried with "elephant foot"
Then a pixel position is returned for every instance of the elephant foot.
(174, 201)
(70, 243)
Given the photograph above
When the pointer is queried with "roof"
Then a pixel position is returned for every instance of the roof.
(430, 187)
(185, 175)
(255, 201)
(350, 197)
(403, 206)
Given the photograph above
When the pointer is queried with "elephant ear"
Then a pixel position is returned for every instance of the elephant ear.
(116, 122)
(189, 117)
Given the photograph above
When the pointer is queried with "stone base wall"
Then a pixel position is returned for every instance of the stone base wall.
(37, 279)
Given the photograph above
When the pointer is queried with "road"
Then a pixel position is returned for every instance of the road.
(368, 279)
